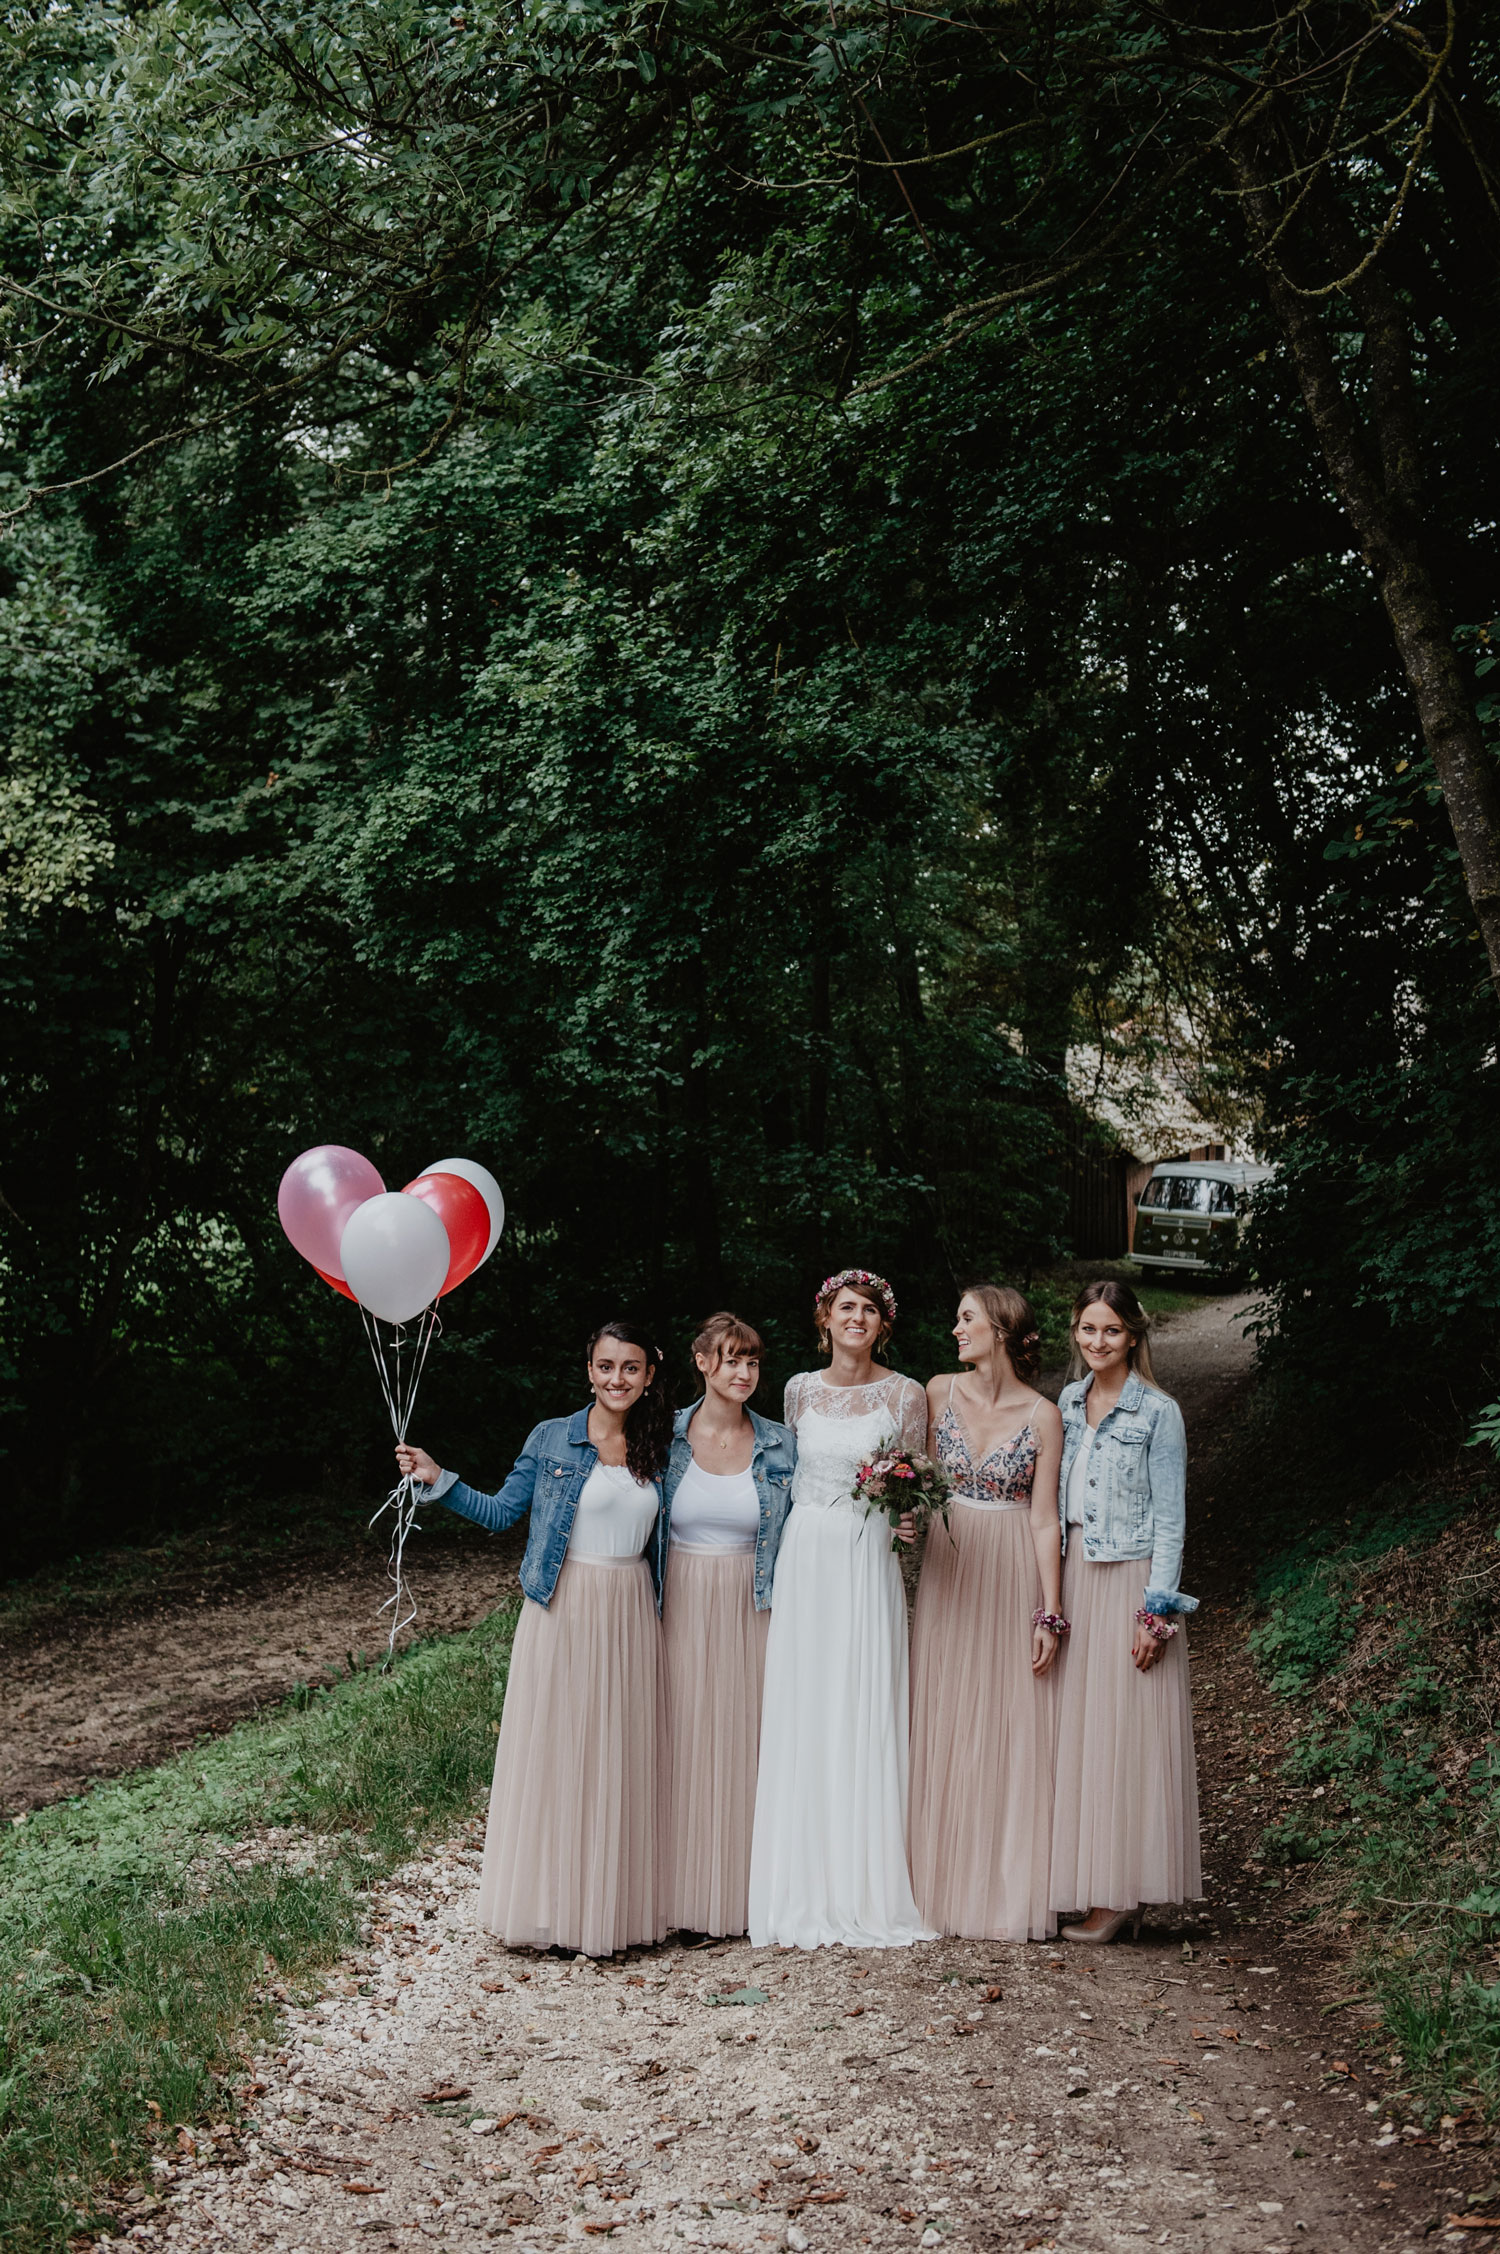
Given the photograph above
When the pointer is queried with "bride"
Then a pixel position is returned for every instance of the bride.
(828, 1854)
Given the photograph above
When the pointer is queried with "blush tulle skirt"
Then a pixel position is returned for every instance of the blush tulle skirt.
(714, 1644)
(1125, 1820)
(570, 1855)
(983, 1732)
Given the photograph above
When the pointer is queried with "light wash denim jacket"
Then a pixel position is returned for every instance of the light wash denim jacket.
(546, 1479)
(772, 1464)
(1137, 1486)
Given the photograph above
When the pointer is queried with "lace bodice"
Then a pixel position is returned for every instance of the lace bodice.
(900, 1400)
(839, 1427)
(1004, 1476)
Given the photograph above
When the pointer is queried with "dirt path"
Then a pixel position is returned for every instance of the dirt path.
(1179, 2092)
(123, 1684)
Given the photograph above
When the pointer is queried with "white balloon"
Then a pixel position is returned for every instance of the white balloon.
(395, 1253)
(488, 1188)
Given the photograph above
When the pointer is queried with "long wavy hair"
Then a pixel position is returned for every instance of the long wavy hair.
(1121, 1301)
(648, 1421)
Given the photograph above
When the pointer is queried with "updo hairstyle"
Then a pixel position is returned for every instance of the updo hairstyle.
(648, 1421)
(823, 1308)
(725, 1334)
(1011, 1319)
(1121, 1301)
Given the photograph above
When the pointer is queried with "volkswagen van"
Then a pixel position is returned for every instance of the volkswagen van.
(1188, 1214)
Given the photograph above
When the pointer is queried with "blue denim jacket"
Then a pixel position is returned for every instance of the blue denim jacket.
(773, 1463)
(546, 1479)
(1137, 1488)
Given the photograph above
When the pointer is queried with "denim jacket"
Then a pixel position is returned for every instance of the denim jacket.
(772, 1464)
(1137, 1485)
(546, 1479)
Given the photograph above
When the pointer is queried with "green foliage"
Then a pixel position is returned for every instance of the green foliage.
(530, 684)
(139, 1923)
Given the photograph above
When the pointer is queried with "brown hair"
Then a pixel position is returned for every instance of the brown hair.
(866, 1291)
(725, 1334)
(1014, 1324)
(1121, 1301)
(648, 1420)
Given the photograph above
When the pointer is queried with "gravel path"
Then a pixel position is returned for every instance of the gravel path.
(1176, 2092)
(972, 2093)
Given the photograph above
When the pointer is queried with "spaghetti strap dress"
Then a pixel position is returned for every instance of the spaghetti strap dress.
(984, 1727)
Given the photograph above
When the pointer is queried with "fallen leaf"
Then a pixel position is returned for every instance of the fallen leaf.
(355, 2185)
(445, 2093)
(993, 1996)
(806, 2143)
(493, 1987)
(602, 2230)
(855, 2011)
(1474, 2222)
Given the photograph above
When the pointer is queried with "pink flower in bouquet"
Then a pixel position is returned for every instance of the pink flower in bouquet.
(925, 1487)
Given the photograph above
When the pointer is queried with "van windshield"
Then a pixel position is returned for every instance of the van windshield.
(1188, 1193)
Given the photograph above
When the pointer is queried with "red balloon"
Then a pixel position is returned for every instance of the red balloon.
(335, 1283)
(464, 1214)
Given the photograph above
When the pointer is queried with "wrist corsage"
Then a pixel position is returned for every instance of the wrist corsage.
(1162, 1630)
(1052, 1621)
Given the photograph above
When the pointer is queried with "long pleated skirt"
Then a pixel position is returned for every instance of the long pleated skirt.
(570, 1856)
(983, 1732)
(714, 1645)
(1125, 1821)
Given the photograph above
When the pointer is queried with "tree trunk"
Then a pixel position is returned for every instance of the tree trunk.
(1379, 487)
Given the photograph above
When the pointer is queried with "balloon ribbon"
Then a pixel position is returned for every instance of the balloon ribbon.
(398, 1363)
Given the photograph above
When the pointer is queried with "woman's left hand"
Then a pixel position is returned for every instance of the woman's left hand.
(1145, 1650)
(1043, 1650)
(906, 1530)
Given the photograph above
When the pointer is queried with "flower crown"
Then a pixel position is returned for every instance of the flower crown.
(877, 1284)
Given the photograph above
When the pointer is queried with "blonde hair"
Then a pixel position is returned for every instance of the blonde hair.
(725, 1334)
(1121, 1301)
(1013, 1323)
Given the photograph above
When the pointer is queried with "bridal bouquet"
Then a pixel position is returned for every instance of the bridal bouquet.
(897, 1480)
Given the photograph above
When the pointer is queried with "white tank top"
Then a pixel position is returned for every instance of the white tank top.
(615, 1514)
(1078, 1481)
(715, 1510)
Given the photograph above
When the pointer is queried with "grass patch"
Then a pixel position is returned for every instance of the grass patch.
(134, 1949)
(1385, 1625)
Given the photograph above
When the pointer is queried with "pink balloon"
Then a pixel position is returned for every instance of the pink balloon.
(318, 1193)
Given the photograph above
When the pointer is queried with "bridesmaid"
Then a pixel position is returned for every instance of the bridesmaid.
(984, 1708)
(728, 1489)
(1125, 1827)
(570, 1853)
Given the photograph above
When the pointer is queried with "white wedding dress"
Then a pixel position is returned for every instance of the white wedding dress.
(828, 1854)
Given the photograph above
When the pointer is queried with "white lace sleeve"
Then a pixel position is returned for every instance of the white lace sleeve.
(909, 1403)
(793, 1401)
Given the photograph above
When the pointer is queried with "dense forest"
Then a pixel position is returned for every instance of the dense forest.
(684, 599)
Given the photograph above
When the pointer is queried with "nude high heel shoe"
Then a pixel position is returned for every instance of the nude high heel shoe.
(1109, 1925)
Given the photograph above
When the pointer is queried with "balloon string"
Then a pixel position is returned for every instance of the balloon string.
(399, 1390)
